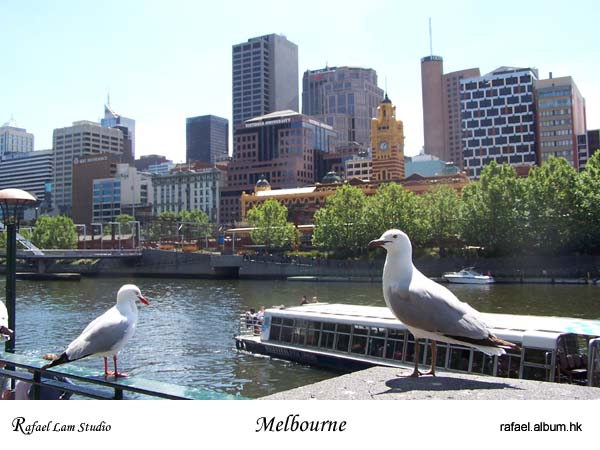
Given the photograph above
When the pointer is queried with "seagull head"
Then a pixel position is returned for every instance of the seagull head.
(131, 293)
(395, 242)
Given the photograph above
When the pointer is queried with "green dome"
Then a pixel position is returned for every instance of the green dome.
(331, 177)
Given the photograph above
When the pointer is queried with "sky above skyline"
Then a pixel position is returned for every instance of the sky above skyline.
(164, 61)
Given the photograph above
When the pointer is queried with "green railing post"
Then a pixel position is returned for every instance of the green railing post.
(11, 287)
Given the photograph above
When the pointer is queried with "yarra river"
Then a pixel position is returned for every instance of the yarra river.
(185, 336)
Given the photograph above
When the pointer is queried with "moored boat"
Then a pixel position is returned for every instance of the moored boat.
(468, 276)
(352, 337)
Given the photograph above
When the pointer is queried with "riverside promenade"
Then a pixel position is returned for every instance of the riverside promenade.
(385, 383)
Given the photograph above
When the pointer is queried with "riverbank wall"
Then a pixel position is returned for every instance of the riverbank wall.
(157, 263)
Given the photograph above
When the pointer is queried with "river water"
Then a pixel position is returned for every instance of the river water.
(185, 336)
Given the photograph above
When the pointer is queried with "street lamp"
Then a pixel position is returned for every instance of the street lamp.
(12, 202)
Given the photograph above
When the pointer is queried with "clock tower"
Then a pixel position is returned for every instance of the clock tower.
(387, 139)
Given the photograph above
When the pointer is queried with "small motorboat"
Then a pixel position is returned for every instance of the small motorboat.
(468, 276)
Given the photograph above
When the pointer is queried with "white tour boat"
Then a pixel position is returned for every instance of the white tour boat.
(468, 276)
(352, 337)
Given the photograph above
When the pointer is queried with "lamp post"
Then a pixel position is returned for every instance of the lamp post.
(12, 202)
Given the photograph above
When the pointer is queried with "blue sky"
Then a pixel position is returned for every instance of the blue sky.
(165, 61)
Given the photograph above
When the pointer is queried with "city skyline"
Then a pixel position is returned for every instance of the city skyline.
(160, 64)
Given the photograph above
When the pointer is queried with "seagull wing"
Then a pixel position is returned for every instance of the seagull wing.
(431, 307)
(102, 335)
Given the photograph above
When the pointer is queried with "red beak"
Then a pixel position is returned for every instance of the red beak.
(143, 300)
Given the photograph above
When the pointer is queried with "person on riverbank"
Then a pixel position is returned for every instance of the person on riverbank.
(304, 300)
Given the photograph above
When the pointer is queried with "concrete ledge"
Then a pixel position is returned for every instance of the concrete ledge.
(383, 383)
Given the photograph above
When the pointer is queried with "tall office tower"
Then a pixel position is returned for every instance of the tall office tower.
(265, 77)
(498, 119)
(441, 109)
(207, 139)
(345, 98)
(14, 139)
(561, 118)
(126, 125)
(69, 144)
(30, 171)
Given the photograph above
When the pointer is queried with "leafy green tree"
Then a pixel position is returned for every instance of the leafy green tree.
(551, 201)
(54, 233)
(441, 208)
(195, 224)
(163, 225)
(493, 211)
(587, 215)
(123, 223)
(341, 225)
(270, 224)
(393, 206)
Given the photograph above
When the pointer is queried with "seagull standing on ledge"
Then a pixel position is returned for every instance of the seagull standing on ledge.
(5, 332)
(108, 333)
(428, 309)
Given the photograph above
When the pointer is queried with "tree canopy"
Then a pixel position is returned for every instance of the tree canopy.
(271, 227)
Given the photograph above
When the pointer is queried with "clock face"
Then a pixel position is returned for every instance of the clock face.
(383, 146)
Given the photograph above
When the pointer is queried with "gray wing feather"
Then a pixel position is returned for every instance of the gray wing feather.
(100, 336)
(432, 307)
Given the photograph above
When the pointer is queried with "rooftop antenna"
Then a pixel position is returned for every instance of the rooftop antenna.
(430, 39)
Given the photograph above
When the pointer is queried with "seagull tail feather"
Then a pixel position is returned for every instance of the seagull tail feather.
(62, 359)
(502, 343)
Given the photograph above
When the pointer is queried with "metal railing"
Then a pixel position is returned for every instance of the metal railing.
(90, 384)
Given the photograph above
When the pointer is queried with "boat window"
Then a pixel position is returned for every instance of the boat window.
(377, 332)
(343, 328)
(359, 329)
(459, 358)
(442, 349)
(482, 363)
(329, 326)
(299, 335)
(286, 334)
(276, 320)
(314, 325)
(376, 346)
(275, 331)
(288, 322)
(394, 349)
(508, 365)
(359, 344)
(327, 339)
(312, 337)
(342, 342)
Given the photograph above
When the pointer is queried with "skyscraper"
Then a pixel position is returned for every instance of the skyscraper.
(126, 125)
(69, 144)
(14, 139)
(265, 77)
(561, 119)
(207, 139)
(442, 109)
(498, 119)
(345, 98)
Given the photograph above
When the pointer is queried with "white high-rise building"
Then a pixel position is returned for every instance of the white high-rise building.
(14, 139)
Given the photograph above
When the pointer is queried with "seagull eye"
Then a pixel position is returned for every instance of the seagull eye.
(395, 236)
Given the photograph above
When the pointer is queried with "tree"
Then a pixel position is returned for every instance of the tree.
(122, 225)
(441, 207)
(270, 224)
(341, 225)
(587, 215)
(393, 206)
(493, 211)
(194, 224)
(54, 232)
(551, 201)
(163, 225)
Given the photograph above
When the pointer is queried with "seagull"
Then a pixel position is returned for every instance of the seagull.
(5, 332)
(108, 333)
(428, 309)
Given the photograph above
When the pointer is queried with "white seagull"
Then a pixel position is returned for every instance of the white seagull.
(428, 309)
(5, 332)
(108, 333)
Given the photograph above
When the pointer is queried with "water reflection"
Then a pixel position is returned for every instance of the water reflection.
(185, 336)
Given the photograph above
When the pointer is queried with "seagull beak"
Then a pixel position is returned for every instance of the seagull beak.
(377, 243)
(143, 300)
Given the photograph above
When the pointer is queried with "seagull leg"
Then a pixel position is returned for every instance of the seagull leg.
(116, 372)
(433, 358)
(416, 372)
